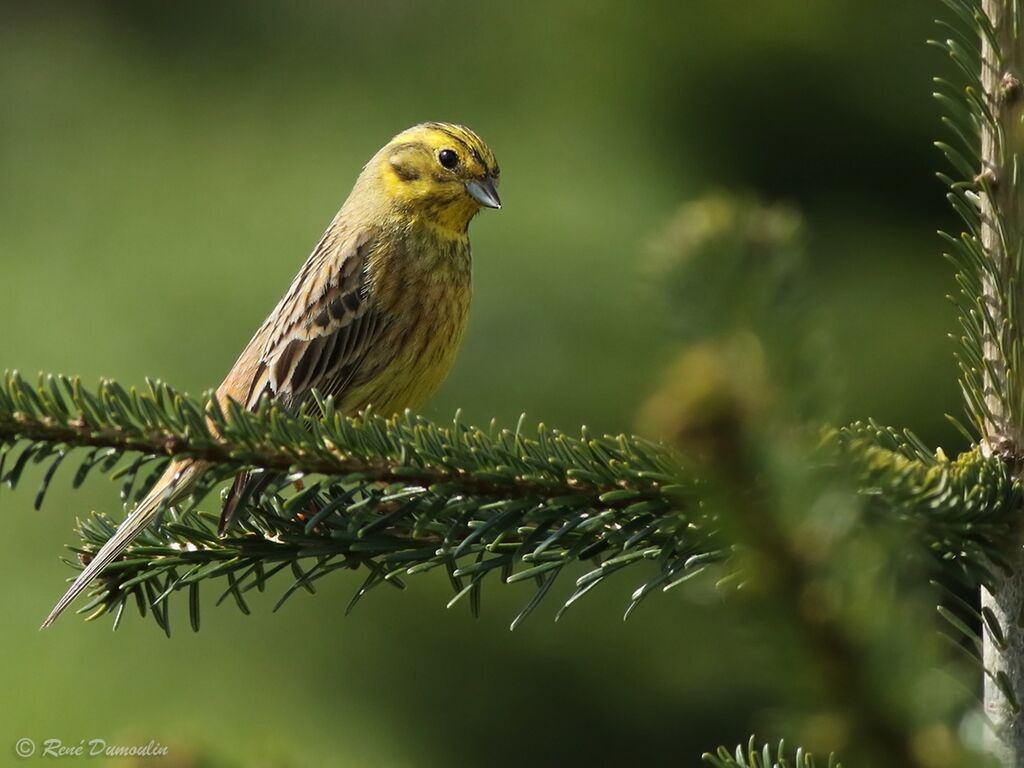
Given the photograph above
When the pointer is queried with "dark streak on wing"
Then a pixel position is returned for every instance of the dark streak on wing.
(328, 325)
(316, 364)
(337, 381)
(324, 326)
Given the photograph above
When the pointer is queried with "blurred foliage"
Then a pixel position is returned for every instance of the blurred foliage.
(728, 264)
(733, 271)
(824, 543)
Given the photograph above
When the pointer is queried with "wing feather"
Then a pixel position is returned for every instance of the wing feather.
(325, 323)
(315, 338)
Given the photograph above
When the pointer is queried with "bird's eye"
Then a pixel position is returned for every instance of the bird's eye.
(448, 158)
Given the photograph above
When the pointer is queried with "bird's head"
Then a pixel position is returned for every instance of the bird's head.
(441, 172)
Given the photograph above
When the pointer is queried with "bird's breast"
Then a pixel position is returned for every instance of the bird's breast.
(422, 286)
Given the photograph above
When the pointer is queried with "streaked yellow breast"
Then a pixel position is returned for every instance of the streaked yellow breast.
(421, 281)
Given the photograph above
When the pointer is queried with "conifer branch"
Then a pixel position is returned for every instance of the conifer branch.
(162, 422)
(397, 496)
(963, 510)
(766, 757)
(985, 115)
(403, 496)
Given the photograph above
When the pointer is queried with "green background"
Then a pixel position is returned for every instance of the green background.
(164, 170)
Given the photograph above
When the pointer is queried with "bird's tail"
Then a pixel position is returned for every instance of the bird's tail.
(174, 484)
(246, 486)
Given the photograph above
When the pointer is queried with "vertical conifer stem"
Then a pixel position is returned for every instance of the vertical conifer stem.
(1002, 235)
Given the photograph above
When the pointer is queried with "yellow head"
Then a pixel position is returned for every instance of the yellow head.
(441, 172)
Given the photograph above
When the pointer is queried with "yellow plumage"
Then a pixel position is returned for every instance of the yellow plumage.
(404, 225)
(375, 315)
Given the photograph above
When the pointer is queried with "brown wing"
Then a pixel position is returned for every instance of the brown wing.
(322, 326)
(314, 339)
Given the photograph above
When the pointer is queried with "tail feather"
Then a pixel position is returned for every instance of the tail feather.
(245, 487)
(172, 486)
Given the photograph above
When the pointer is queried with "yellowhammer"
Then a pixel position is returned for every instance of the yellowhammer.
(375, 315)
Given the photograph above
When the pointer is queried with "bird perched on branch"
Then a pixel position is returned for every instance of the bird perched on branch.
(374, 316)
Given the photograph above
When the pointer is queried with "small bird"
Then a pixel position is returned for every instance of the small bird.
(375, 315)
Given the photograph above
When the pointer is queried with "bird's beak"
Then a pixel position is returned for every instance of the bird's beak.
(484, 192)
